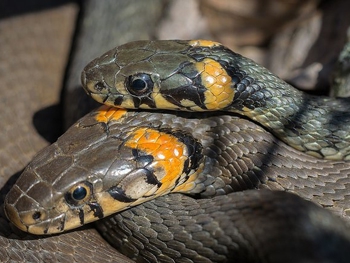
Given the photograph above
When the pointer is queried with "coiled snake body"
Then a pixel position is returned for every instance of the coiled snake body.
(113, 159)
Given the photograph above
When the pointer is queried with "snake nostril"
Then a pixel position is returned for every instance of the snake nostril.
(99, 86)
(36, 215)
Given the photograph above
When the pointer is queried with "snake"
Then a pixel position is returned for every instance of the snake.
(114, 159)
(245, 200)
(202, 75)
(151, 157)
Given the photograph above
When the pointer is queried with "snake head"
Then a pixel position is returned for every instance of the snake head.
(103, 164)
(173, 75)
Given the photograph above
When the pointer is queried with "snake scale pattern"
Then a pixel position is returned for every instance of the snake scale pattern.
(206, 76)
(176, 227)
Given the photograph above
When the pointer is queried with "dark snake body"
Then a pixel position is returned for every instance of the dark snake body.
(135, 225)
(237, 155)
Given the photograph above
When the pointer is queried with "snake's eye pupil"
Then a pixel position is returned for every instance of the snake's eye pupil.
(79, 193)
(139, 84)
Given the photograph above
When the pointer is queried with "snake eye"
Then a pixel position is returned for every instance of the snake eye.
(139, 84)
(79, 194)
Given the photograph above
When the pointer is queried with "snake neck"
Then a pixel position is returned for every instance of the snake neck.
(316, 125)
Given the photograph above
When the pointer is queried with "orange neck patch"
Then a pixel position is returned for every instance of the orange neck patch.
(169, 154)
(203, 43)
(108, 113)
(219, 93)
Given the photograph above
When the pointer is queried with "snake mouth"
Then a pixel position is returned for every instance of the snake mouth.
(41, 221)
(35, 218)
(93, 83)
(84, 82)
(35, 221)
(12, 214)
(92, 79)
(99, 88)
